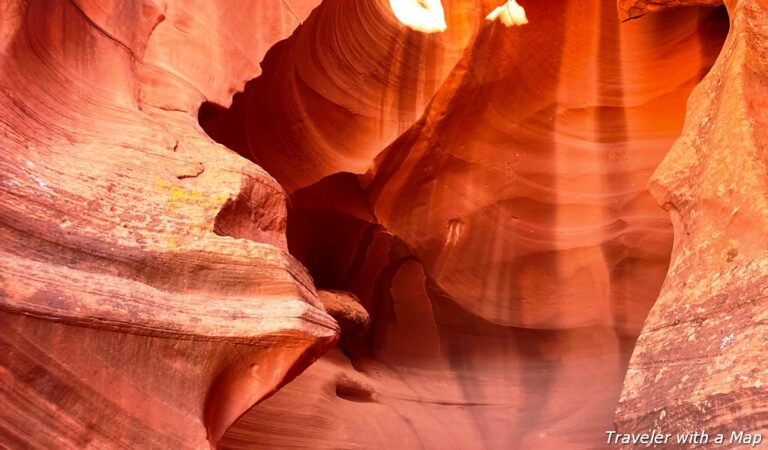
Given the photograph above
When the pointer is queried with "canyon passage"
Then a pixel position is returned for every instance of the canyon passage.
(456, 224)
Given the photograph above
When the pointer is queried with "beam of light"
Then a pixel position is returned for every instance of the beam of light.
(421, 15)
(509, 14)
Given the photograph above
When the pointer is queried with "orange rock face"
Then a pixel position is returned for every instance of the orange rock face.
(198, 199)
(147, 297)
(632, 9)
(505, 243)
(708, 326)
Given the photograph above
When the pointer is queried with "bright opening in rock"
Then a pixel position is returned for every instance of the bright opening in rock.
(509, 14)
(421, 15)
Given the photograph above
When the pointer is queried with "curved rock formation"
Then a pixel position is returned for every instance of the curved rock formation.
(700, 360)
(461, 197)
(348, 82)
(632, 9)
(147, 297)
(505, 244)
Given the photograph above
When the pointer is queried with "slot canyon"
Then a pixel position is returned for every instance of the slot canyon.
(381, 224)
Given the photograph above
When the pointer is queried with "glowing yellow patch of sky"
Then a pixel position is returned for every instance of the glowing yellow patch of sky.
(422, 15)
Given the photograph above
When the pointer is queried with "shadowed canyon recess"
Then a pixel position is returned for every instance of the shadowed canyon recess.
(456, 224)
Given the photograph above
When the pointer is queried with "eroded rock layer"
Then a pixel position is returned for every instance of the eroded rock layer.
(350, 80)
(504, 244)
(632, 9)
(147, 298)
(470, 196)
(700, 361)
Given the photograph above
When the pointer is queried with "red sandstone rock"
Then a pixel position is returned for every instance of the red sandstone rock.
(505, 245)
(481, 191)
(700, 360)
(632, 9)
(347, 83)
(147, 298)
(346, 309)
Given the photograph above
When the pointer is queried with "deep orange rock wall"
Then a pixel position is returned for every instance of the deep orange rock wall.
(700, 360)
(199, 199)
(131, 316)
(632, 9)
(504, 243)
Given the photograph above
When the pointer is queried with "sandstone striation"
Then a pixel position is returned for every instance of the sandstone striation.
(700, 360)
(349, 81)
(504, 244)
(147, 297)
(385, 223)
(632, 9)
(346, 309)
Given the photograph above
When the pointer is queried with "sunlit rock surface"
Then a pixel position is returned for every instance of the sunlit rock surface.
(505, 243)
(347, 83)
(147, 298)
(700, 360)
(461, 203)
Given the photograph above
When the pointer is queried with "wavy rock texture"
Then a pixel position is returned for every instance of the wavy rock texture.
(503, 241)
(147, 298)
(709, 325)
(632, 9)
(344, 86)
(468, 209)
